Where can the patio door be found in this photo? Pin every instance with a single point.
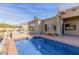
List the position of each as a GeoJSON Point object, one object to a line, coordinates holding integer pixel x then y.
{"type": "Point", "coordinates": [45, 27]}
{"type": "Point", "coordinates": [62, 29]}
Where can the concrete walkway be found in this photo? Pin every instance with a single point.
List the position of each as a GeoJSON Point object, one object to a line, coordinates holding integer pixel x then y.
{"type": "Point", "coordinates": [11, 48]}
{"type": "Point", "coordinates": [25, 47]}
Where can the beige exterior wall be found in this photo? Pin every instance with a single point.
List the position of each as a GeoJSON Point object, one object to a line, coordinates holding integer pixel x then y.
{"type": "Point", "coordinates": [49, 22]}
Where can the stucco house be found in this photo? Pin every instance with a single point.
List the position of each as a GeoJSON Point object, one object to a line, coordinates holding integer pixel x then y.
{"type": "Point", "coordinates": [66, 22]}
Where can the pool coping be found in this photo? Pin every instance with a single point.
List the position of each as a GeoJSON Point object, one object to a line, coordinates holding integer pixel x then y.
{"type": "Point", "coordinates": [58, 39]}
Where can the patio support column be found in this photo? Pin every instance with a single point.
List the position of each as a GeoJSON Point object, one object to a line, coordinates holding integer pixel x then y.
{"type": "Point", "coordinates": [59, 26]}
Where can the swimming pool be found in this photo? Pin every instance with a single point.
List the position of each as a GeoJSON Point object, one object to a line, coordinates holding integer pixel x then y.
{"type": "Point", "coordinates": [26, 47]}
{"type": "Point", "coordinates": [44, 46]}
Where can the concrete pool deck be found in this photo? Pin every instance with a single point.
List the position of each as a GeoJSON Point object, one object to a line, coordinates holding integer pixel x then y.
{"type": "Point", "coordinates": [11, 48]}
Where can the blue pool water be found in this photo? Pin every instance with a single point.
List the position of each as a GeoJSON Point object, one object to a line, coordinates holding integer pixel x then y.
{"type": "Point", "coordinates": [43, 46]}
{"type": "Point", "coordinates": [26, 47]}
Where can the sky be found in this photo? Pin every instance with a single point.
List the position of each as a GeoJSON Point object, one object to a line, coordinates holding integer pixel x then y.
{"type": "Point", "coordinates": [16, 13]}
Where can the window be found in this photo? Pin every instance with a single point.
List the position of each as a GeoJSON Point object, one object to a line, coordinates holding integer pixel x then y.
{"type": "Point", "coordinates": [67, 26]}
{"type": "Point", "coordinates": [52, 26]}
{"type": "Point", "coordinates": [45, 27]}
{"type": "Point", "coordinates": [49, 26]}
{"type": "Point", "coordinates": [55, 27]}
{"type": "Point", "coordinates": [70, 27]}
